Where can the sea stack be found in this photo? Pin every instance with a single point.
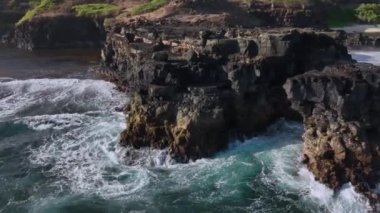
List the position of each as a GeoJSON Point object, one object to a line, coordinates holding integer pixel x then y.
{"type": "Point", "coordinates": [340, 109]}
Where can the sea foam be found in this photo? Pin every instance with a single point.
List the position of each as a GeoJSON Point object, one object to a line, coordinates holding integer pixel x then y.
{"type": "Point", "coordinates": [81, 155]}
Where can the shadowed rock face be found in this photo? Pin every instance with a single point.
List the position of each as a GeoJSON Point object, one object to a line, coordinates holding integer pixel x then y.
{"type": "Point", "coordinates": [7, 20]}
{"type": "Point", "coordinates": [194, 88]}
{"type": "Point", "coordinates": [341, 110]}
{"type": "Point", "coordinates": [64, 31]}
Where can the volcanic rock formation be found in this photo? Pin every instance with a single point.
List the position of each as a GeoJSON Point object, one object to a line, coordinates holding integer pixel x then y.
{"type": "Point", "coordinates": [194, 88]}
{"type": "Point", "coordinates": [340, 107]}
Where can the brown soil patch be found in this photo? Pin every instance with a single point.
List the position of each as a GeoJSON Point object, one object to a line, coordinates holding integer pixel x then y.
{"type": "Point", "coordinates": [215, 12]}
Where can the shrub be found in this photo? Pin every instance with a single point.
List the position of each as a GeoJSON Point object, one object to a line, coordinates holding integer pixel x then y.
{"type": "Point", "coordinates": [368, 12]}
{"type": "Point", "coordinates": [96, 10]}
{"type": "Point", "coordinates": [152, 5]}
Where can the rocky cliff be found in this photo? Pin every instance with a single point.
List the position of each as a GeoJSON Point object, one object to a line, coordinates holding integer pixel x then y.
{"type": "Point", "coordinates": [59, 27]}
{"type": "Point", "coordinates": [340, 108]}
{"type": "Point", "coordinates": [61, 31]}
{"type": "Point", "coordinates": [194, 88]}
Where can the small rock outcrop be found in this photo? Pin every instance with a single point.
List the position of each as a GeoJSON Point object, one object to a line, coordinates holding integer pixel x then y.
{"type": "Point", "coordinates": [61, 31]}
{"type": "Point", "coordinates": [356, 40]}
{"type": "Point", "coordinates": [341, 110]}
{"type": "Point", "coordinates": [193, 88]}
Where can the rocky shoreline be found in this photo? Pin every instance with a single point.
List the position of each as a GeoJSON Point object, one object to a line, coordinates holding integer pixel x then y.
{"type": "Point", "coordinates": [339, 107]}
{"type": "Point", "coordinates": [194, 87]}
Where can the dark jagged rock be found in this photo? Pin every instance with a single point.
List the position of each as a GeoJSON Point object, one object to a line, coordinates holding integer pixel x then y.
{"type": "Point", "coordinates": [362, 40]}
{"type": "Point", "coordinates": [213, 83]}
{"type": "Point", "coordinates": [64, 31]}
{"type": "Point", "coordinates": [356, 40]}
{"type": "Point", "coordinates": [341, 110]}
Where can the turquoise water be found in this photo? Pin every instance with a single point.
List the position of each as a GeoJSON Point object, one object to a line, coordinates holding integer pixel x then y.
{"type": "Point", "coordinates": [59, 153]}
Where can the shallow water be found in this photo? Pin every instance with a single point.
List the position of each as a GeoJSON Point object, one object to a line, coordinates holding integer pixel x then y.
{"type": "Point", "coordinates": [59, 153]}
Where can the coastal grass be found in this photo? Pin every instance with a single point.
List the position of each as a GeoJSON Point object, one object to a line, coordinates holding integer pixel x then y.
{"type": "Point", "coordinates": [150, 6]}
{"type": "Point", "coordinates": [38, 6]}
{"type": "Point", "coordinates": [96, 10]}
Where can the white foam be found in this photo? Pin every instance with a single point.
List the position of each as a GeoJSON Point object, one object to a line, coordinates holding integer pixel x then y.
{"type": "Point", "coordinates": [145, 157]}
{"type": "Point", "coordinates": [19, 98]}
{"type": "Point", "coordinates": [372, 57]}
{"type": "Point", "coordinates": [85, 159]}
{"type": "Point", "coordinates": [81, 148]}
{"type": "Point", "coordinates": [286, 172]}
{"type": "Point", "coordinates": [56, 122]}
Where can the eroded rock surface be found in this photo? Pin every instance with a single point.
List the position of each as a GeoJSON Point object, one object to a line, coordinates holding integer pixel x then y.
{"type": "Point", "coordinates": [341, 111]}
{"type": "Point", "coordinates": [194, 88]}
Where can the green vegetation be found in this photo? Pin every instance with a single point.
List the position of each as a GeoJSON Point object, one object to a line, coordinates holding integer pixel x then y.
{"type": "Point", "coordinates": [368, 12]}
{"type": "Point", "coordinates": [339, 17]}
{"type": "Point", "coordinates": [342, 16]}
{"type": "Point", "coordinates": [37, 7]}
{"type": "Point", "coordinates": [96, 10]}
{"type": "Point", "coordinates": [150, 6]}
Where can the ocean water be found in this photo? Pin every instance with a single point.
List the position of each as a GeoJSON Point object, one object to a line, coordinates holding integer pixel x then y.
{"type": "Point", "coordinates": [372, 57]}
{"type": "Point", "coordinates": [59, 153]}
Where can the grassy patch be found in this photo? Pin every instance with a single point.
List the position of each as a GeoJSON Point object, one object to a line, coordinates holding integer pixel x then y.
{"type": "Point", "coordinates": [339, 17]}
{"type": "Point", "coordinates": [150, 6]}
{"type": "Point", "coordinates": [96, 10]}
{"type": "Point", "coordinates": [368, 12]}
{"type": "Point", "coordinates": [38, 6]}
